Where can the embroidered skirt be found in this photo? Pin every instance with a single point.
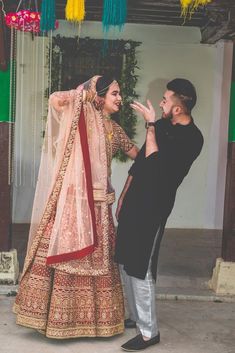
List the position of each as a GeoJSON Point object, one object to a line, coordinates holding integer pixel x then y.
{"type": "Point", "coordinates": [63, 305]}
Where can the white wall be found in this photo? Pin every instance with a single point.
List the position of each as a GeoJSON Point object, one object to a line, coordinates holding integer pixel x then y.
{"type": "Point", "coordinates": [165, 53]}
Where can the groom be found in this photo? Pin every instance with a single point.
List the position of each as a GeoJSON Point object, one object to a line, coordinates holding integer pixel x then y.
{"type": "Point", "coordinates": [172, 144]}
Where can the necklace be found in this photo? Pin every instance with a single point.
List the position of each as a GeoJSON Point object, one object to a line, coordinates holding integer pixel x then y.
{"type": "Point", "coordinates": [108, 126]}
{"type": "Point", "coordinates": [106, 117]}
{"type": "Point", "coordinates": [110, 135]}
{"type": "Point", "coordinates": [109, 129]}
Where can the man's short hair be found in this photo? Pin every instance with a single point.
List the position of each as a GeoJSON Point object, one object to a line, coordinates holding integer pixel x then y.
{"type": "Point", "coordinates": [185, 91]}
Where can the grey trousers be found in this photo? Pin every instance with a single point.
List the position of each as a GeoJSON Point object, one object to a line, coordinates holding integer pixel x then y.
{"type": "Point", "coordinates": [141, 300]}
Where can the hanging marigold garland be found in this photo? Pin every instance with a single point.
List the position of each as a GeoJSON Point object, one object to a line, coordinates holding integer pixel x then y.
{"type": "Point", "coordinates": [65, 48]}
{"type": "Point", "coordinates": [75, 10]}
{"type": "Point", "coordinates": [189, 6]}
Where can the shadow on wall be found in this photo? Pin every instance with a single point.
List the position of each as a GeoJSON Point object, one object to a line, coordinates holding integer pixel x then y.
{"type": "Point", "coordinates": [155, 93]}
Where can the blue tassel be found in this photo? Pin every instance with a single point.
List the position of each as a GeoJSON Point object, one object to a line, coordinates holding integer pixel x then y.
{"type": "Point", "coordinates": [114, 14]}
{"type": "Point", "coordinates": [48, 17]}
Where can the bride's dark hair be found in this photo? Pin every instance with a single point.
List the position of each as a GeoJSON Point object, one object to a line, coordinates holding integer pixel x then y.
{"type": "Point", "coordinates": [102, 85]}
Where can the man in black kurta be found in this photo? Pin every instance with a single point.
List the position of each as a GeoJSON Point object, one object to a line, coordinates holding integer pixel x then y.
{"type": "Point", "coordinates": [172, 144]}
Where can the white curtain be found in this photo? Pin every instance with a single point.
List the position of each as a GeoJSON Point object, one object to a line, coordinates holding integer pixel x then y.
{"type": "Point", "coordinates": [31, 112]}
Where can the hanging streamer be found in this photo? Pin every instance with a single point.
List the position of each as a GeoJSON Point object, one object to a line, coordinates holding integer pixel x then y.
{"type": "Point", "coordinates": [75, 10]}
{"type": "Point", "coordinates": [189, 6]}
{"type": "Point", "coordinates": [48, 17]}
{"type": "Point", "coordinates": [114, 14]}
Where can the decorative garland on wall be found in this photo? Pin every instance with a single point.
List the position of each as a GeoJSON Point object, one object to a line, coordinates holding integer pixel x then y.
{"type": "Point", "coordinates": [87, 58]}
{"type": "Point", "coordinates": [128, 80]}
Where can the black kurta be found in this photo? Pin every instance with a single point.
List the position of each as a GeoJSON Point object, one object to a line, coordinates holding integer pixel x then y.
{"type": "Point", "coordinates": [151, 195]}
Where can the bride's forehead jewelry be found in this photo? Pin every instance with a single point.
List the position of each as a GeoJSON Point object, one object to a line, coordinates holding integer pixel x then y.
{"type": "Point", "coordinates": [105, 88]}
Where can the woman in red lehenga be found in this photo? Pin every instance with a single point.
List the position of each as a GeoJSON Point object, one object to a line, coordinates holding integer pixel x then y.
{"type": "Point", "coordinates": [70, 286]}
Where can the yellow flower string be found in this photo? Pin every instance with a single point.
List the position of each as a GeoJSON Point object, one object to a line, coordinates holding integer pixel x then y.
{"type": "Point", "coordinates": [75, 10]}
{"type": "Point", "coordinates": [188, 7]}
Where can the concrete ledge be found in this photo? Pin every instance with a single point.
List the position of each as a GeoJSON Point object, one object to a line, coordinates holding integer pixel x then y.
{"type": "Point", "coordinates": [184, 281]}
{"type": "Point", "coordinates": [8, 290]}
{"type": "Point", "coordinates": [9, 267]}
{"type": "Point", "coordinates": [163, 293]}
{"type": "Point", "coordinates": [223, 278]}
{"type": "Point", "coordinates": [193, 294]}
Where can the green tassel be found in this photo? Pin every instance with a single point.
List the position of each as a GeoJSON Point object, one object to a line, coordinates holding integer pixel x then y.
{"type": "Point", "coordinates": [114, 14]}
{"type": "Point", "coordinates": [48, 17]}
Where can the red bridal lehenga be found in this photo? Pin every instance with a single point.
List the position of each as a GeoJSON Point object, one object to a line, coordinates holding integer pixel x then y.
{"type": "Point", "coordinates": [70, 286]}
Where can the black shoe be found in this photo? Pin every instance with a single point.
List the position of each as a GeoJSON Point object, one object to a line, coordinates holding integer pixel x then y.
{"type": "Point", "coordinates": [138, 343]}
{"type": "Point", "coordinates": [128, 323]}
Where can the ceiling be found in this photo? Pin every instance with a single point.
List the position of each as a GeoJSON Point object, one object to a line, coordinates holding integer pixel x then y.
{"type": "Point", "coordinates": [216, 20]}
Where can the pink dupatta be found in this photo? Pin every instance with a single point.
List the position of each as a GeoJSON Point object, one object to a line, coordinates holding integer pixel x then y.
{"type": "Point", "coordinates": [72, 177]}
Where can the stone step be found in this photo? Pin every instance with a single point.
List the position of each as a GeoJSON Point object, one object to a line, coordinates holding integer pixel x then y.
{"type": "Point", "coordinates": [182, 281]}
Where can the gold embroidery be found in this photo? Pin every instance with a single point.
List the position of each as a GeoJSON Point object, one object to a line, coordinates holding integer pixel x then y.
{"type": "Point", "coordinates": [73, 310]}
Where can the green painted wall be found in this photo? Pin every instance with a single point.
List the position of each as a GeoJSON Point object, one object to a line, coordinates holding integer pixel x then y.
{"type": "Point", "coordinates": [231, 135]}
{"type": "Point", "coordinates": [4, 95]}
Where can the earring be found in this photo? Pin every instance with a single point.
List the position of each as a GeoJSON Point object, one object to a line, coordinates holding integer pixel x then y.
{"type": "Point", "coordinates": [99, 103]}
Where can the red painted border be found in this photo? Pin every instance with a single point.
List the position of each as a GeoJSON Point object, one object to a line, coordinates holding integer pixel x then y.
{"type": "Point", "coordinates": [70, 256]}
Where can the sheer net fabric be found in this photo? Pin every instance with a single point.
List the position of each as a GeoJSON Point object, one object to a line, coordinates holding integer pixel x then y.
{"type": "Point", "coordinates": [62, 183]}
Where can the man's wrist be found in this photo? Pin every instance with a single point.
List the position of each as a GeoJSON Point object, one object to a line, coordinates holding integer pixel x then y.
{"type": "Point", "coordinates": [149, 124]}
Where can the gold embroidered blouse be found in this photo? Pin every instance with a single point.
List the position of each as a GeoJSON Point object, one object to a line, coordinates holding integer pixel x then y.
{"type": "Point", "coordinates": [116, 139]}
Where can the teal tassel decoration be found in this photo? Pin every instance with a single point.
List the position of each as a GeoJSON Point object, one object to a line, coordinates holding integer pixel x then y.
{"type": "Point", "coordinates": [48, 17]}
{"type": "Point", "coordinates": [114, 14]}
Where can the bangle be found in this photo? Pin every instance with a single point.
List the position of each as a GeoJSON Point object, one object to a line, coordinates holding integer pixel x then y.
{"type": "Point", "coordinates": [149, 123]}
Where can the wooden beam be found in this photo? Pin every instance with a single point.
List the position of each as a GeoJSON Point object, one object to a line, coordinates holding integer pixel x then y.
{"type": "Point", "coordinates": [3, 47]}
{"type": "Point", "coordinates": [221, 4]}
{"type": "Point", "coordinates": [5, 190]}
{"type": "Point", "coordinates": [212, 34]}
{"type": "Point", "coordinates": [164, 22]}
{"type": "Point", "coordinates": [228, 242]}
{"type": "Point", "coordinates": [220, 25]}
{"type": "Point", "coordinates": [170, 3]}
{"type": "Point", "coordinates": [150, 14]}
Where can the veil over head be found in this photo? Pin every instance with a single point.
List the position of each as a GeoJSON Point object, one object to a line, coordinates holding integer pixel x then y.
{"type": "Point", "coordinates": [72, 179]}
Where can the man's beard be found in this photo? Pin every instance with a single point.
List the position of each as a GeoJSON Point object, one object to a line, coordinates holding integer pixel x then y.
{"type": "Point", "coordinates": [168, 116]}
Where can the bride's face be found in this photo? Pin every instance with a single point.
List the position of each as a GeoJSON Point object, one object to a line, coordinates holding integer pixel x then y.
{"type": "Point", "coordinates": [112, 99]}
